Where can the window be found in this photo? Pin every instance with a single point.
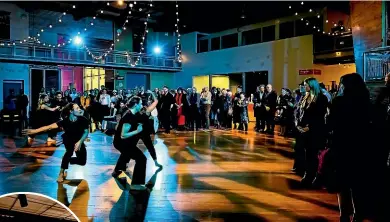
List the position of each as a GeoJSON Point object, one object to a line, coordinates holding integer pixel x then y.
{"type": "Point", "coordinates": [286, 30]}
{"type": "Point", "coordinates": [251, 37]}
{"type": "Point", "coordinates": [215, 43]}
{"type": "Point", "coordinates": [203, 45]}
{"type": "Point", "coordinates": [229, 41]}
{"type": "Point", "coordinates": [5, 25]}
{"type": "Point", "coordinates": [269, 33]}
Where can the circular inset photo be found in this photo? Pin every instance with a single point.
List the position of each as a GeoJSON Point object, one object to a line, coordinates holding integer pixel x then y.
{"type": "Point", "coordinates": [33, 207]}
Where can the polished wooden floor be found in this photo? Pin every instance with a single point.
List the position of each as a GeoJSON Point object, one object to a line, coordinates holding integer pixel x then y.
{"type": "Point", "coordinates": [207, 176]}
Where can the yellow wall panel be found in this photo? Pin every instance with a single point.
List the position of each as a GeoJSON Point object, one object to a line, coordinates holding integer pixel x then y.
{"type": "Point", "coordinates": [220, 82]}
{"type": "Point", "coordinates": [200, 82]}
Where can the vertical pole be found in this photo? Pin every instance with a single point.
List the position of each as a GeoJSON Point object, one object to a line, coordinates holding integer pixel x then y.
{"type": "Point", "coordinates": [210, 81]}
{"type": "Point", "coordinates": [384, 23]}
{"type": "Point", "coordinates": [243, 82]}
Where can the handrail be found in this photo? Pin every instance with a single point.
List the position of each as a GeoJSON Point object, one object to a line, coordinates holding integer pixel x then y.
{"type": "Point", "coordinates": [11, 50]}
{"type": "Point", "coordinates": [376, 63]}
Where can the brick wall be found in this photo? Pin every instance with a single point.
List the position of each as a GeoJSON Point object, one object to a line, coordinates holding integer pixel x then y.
{"type": "Point", "coordinates": [366, 21]}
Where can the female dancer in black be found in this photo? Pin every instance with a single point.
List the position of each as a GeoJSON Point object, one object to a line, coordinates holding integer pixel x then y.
{"type": "Point", "coordinates": [75, 127]}
{"type": "Point", "coordinates": [125, 140]}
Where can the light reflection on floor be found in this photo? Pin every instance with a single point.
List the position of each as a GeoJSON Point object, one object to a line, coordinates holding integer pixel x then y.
{"type": "Point", "coordinates": [218, 176]}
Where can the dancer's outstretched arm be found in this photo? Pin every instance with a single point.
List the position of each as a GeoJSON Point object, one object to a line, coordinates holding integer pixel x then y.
{"type": "Point", "coordinates": [27, 132]}
{"type": "Point", "coordinates": [152, 106]}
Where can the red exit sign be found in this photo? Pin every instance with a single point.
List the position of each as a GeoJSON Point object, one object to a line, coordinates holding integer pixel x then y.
{"type": "Point", "coordinates": [309, 72]}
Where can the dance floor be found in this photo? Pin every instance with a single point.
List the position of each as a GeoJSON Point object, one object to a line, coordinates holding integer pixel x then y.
{"type": "Point", "coordinates": [207, 176]}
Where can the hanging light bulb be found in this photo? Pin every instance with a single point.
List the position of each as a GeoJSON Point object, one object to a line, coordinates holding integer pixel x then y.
{"type": "Point", "coordinates": [318, 16]}
{"type": "Point", "coordinates": [59, 20]}
{"type": "Point", "coordinates": [129, 12]}
{"type": "Point", "coordinates": [289, 6]}
{"type": "Point", "coordinates": [94, 17]}
{"type": "Point", "coordinates": [131, 5]}
{"type": "Point", "coordinates": [50, 26]}
{"type": "Point", "coordinates": [301, 3]}
{"type": "Point", "coordinates": [327, 21]}
{"type": "Point", "coordinates": [135, 2]}
{"type": "Point", "coordinates": [64, 13]}
{"type": "Point", "coordinates": [140, 9]}
{"type": "Point", "coordinates": [101, 11]}
{"type": "Point", "coordinates": [296, 13]}
{"type": "Point", "coordinates": [85, 29]}
{"type": "Point", "coordinates": [108, 4]}
{"type": "Point", "coordinates": [42, 30]}
{"type": "Point", "coordinates": [91, 23]}
{"type": "Point", "coordinates": [310, 10]}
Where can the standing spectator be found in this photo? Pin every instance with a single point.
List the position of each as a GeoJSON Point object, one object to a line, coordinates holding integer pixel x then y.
{"type": "Point", "coordinates": [205, 97]}
{"type": "Point", "coordinates": [21, 107]}
{"type": "Point", "coordinates": [270, 98]}
{"type": "Point", "coordinates": [259, 109]}
{"type": "Point", "coordinates": [166, 108]}
{"type": "Point", "coordinates": [311, 126]}
{"type": "Point", "coordinates": [194, 109]}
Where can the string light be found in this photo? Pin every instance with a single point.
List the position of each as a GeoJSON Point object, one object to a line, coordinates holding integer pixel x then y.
{"type": "Point", "coordinates": [179, 57]}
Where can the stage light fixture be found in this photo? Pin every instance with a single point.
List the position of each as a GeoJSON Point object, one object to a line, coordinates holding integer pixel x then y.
{"type": "Point", "coordinates": [157, 50]}
{"type": "Point", "coordinates": [78, 40]}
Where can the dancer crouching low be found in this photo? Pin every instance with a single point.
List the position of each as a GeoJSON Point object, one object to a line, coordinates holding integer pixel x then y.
{"type": "Point", "coordinates": [127, 135]}
{"type": "Point", "coordinates": [75, 127]}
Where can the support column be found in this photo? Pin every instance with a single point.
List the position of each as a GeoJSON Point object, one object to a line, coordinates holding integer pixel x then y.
{"type": "Point", "coordinates": [384, 24]}
{"type": "Point", "coordinates": [243, 82]}
{"type": "Point", "coordinates": [210, 81]}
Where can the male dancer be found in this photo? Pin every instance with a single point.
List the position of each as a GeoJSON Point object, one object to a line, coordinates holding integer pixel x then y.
{"type": "Point", "coordinates": [75, 127]}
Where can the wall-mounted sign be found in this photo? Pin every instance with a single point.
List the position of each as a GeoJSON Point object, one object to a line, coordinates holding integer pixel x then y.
{"type": "Point", "coordinates": [309, 72]}
{"type": "Point", "coordinates": [119, 77]}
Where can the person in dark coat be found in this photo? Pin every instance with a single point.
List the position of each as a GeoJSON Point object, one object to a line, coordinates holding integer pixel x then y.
{"type": "Point", "coordinates": [269, 104]}
{"type": "Point", "coordinates": [167, 102]}
{"type": "Point", "coordinates": [311, 127]}
{"type": "Point", "coordinates": [236, 108]}
{"type": "Point", "coordinates": [355, 158]}
{"type": "Point", "coordinates": [259, 110]}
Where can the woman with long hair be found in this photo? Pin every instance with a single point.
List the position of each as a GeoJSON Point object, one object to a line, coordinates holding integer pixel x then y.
{"type": "Point", "coordinates": [179, 121]}
{"type": "Point", "coordinates": [44, 115]}
{"type": "Point", "coordinates": [355, 162]}
{"type": "Point", "coordinates": [76, 129]}
{"type": "Point", "coordinates": [311, 126]}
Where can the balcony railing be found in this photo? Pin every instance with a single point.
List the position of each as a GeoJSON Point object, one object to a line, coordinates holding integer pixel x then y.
{"type": "Point", "coordinates": [376, 63]}
{"type": "Point", "coordinates": [116, 59]}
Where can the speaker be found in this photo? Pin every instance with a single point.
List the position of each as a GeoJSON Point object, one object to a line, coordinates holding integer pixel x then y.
{"type": "Point", "coordinates": [23, 200]}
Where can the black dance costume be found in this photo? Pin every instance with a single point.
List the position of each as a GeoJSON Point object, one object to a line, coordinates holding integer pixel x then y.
{"type": "Point", "coordinates": [73, 132]}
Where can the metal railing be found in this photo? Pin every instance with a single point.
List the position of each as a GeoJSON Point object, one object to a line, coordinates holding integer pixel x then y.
{"type": "Point", "coordinates": [376, 63]}
{"type": "Point", "coordinates": [71, 56]}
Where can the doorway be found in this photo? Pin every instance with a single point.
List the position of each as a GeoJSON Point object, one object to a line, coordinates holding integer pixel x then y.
{"type": "Point", "coordinates": [42, 78]}
{"type": "Point", "coordinates": [14, 85]}
{"type": "Point", "coordinates": [235, 80]}
{"type": "Point", "coordinates": [255, 79]}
